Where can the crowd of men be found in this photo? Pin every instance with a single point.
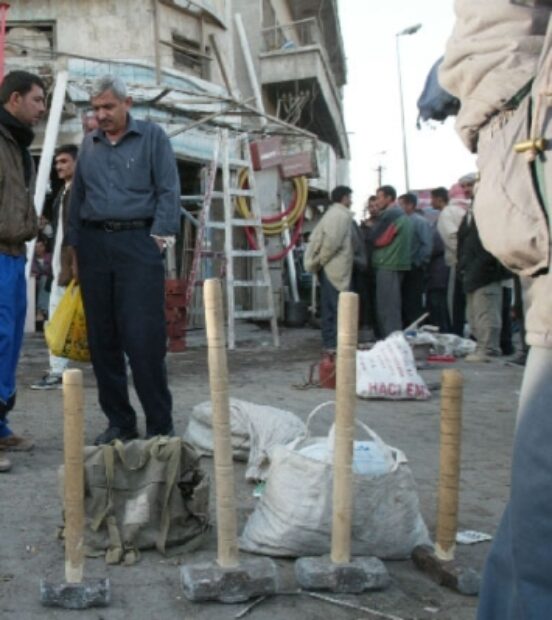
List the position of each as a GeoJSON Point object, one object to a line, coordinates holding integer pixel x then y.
{"type": "Point", "coordinates": [406, 261]}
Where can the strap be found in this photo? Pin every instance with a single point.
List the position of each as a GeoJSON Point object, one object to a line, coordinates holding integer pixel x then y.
{"type": "Point", "coordinates": [167, 450]}
{"type": "Point", "coordinates": [109, 465]}
{"type": "Point", "coordinates": [114, 552]}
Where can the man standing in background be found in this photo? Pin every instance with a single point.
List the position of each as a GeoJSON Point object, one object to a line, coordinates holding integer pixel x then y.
{"type": "Point", "coordinates": [64, 163]}
{"type": "Point", "coordinates": [414, 281]}
{"type": "Point", "coordinates": [392, 235]}
{"type": "Point", "coordinates": [330, 255]}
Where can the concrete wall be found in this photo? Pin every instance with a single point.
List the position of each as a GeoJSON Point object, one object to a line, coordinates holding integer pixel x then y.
{"type": "Point", "coordinates": [120, 29]}
{"type": "Point", "coordinates": [107, 29]}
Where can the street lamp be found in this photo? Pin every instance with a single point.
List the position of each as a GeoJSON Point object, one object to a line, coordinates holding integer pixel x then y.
{"type": "Point", "coordinates": [407, 31]}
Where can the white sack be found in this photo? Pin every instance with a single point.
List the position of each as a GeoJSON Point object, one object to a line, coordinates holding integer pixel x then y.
{"type": "Point", "coordinates": [388, 370]}
{"type": "Point", "coordinates": [443, 344]}
{"type": "Point", "coordinates": [293, 516]}
{"type": "Point", "coordinates": [255, 429]}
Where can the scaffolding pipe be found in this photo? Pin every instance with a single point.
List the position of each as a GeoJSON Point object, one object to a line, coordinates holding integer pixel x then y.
{"type": "Point", "coordinates": [47, 155]}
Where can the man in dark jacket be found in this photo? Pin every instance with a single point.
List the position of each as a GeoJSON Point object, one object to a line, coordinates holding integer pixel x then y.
{"type": "Point", "coordinates": [481, 275]}
{"type": "Point", "coordinates": [22, 105]}
{"type": "Point", "coordinates": [438, 270]}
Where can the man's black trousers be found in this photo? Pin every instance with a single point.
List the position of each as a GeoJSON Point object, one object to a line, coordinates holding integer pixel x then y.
{"type": "Point", "coordinates": [122, 280]}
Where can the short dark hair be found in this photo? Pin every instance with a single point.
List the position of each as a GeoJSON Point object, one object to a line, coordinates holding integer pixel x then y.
{"type": "Point", "coordinates": [410, 198]}
{"type": "Point", "coordinates": [389, 191]}
{"type": "Point", "coordinates": [440, 192]}
{"type": "Point", "coordinates": [18, 82]}
{"type": "Point", "coordinates": [70, 149]}
{"type": "Point", "coordinates": [339, 192]}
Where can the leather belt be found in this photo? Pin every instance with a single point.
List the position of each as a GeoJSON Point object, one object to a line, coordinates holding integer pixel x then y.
{"type": "Point", "coordinates": [117, 225]}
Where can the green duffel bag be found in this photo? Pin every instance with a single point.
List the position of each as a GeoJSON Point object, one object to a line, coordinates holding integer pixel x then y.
{"type": "Point", "coordinates": [144, 495]}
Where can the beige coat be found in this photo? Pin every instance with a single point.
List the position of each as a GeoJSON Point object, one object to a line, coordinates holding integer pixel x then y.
{"type": "Point", "coordinates": [494, 50]}
{"type": "Point", "coordinates": [491, 54]}
{"type": "Point", "coordinates": [330, 247]}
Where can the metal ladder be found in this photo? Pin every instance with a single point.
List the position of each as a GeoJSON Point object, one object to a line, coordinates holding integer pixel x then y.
{"type": "Point", "coordinates": [230, 223]}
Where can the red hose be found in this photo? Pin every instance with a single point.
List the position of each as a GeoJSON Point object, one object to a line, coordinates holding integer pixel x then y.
{"type": "Point", "coordinates": [285, 251]}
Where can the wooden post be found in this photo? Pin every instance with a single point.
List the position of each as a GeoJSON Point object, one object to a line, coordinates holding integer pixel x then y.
{"type": "Point", "coordinates": [449, 466]}
{"type": "Point", "coordinates": [344, 427]}
{"type": "Point", "coordinates": [73, 448]}
{"type": "Point", "coordinates": [227, 536]}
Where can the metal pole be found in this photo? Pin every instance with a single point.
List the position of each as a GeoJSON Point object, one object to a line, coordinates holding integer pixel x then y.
{"type": "Point", "coordinates": [47, 155]}
{"type": "Point", "coordinates": [403, 128]}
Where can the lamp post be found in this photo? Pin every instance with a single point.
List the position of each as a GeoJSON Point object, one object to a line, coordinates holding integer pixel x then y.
{"type": "Point", "coordinates": [407, 31]}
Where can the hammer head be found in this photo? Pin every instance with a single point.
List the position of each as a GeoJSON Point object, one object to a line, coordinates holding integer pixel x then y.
{"type": "Point", "coordinates": [89, 593]}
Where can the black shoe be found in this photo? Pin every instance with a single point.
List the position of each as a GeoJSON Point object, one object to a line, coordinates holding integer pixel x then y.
{"type": "Point", "coordinates": [114, 432]}
{"type": "Point", "coordinates": [169, 433]}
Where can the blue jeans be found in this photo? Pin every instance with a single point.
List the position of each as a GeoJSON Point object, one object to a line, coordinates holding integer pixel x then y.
{"type": "Point", "coordinates": [517, 581]}
{"type": "Point", "coordinates": [13, 307]}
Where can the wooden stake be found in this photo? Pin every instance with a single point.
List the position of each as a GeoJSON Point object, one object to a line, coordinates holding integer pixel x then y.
{"type": "Point", "coordinates": [73, 447]}
{"type": "Point", "coordinates": [344, 427]}
{"type": "Point", "coordinates": [449, 466]}
{"type": "Point", "coordinates": [227, 536]}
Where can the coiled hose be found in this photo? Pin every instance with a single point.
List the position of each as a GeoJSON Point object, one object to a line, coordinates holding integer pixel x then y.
{"type": "Point", "coordinates": [293, 216]}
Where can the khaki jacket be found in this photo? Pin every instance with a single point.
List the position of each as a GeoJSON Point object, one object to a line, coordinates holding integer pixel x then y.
{"type": "Point", "coordinates": [330, 247]}
{"type": "Point", "coordinates": [18, 220]}
{"type": "Point", "coordinates": [491, 54]}
{"type": "Point", "coordinates": [495, 49]}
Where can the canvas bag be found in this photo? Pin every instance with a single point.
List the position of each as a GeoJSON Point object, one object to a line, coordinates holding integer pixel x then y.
{"type": "Point", "coordinates": [293, 516]}
{"type": "Point", "coordinates": [144, 495]}
{"type": "Point", "coordinates": [254, 429]}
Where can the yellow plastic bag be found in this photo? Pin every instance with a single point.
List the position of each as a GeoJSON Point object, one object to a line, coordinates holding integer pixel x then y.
{"type": "Point", "coordinates": [66, 330]}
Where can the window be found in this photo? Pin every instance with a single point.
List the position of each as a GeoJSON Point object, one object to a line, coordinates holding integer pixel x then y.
{"type": "Point", "coordinates": [187, 54]}
{"type": "Point", "coordinates": [29, 39]}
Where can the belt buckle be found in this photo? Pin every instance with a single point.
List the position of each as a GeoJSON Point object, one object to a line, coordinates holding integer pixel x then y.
{"type": "Point", "coordinates": [108, 227]}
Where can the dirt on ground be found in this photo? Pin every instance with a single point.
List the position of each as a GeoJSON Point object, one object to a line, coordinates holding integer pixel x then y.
{"type": "Point", "coordinates": [30, 509]}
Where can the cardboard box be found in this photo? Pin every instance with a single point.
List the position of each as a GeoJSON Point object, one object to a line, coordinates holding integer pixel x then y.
{"type": "Point", "coordinates": [266, 153]}
{"type": "Point", "coordinates": [297, 165]}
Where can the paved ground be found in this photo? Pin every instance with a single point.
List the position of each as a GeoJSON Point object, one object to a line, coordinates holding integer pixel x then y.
{"type": "Point", "coordinates": [30, 509]}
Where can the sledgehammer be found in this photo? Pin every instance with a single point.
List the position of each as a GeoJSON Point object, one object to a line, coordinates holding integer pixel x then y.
{"type": "Point", "coordinates": [439, 565]}
{"type": "Point", "coordinates": [227, 580]}
{"type": "Point", "coordinates": [338, 572]}
{"type": "Point", "coordinates": [74, 593]}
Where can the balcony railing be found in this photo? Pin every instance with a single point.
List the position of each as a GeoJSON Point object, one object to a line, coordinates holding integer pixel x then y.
{"type": "Point", "coordinates": [291, 36]}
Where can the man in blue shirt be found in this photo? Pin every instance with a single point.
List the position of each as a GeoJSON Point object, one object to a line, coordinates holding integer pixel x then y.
{"type": "Point", "coordinates": [124, 211]}
{"type": "Point", "coordinates": [414, 282]}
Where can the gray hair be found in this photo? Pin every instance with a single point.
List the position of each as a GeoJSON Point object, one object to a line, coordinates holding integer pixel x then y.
{"type": "Point", "coordinates": [109, 82]}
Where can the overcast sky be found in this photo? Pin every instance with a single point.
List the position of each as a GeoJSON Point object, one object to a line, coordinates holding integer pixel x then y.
{"type": "Point", "coordinates": [372, 109]}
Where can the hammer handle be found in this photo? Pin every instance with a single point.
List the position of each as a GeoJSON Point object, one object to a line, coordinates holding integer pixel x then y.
{"type": "Point", "coordinates": [73, 448]}
{"type": "Point", "coordinates": [344, 427]}
{"type": "Point", "coordinates": [449, 466]}
{"type": "Point", "coordinates": [227, 532]}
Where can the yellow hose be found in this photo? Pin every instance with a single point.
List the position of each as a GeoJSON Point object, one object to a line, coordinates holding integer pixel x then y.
{"type": "Point", "coordinates": [276, 228]}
